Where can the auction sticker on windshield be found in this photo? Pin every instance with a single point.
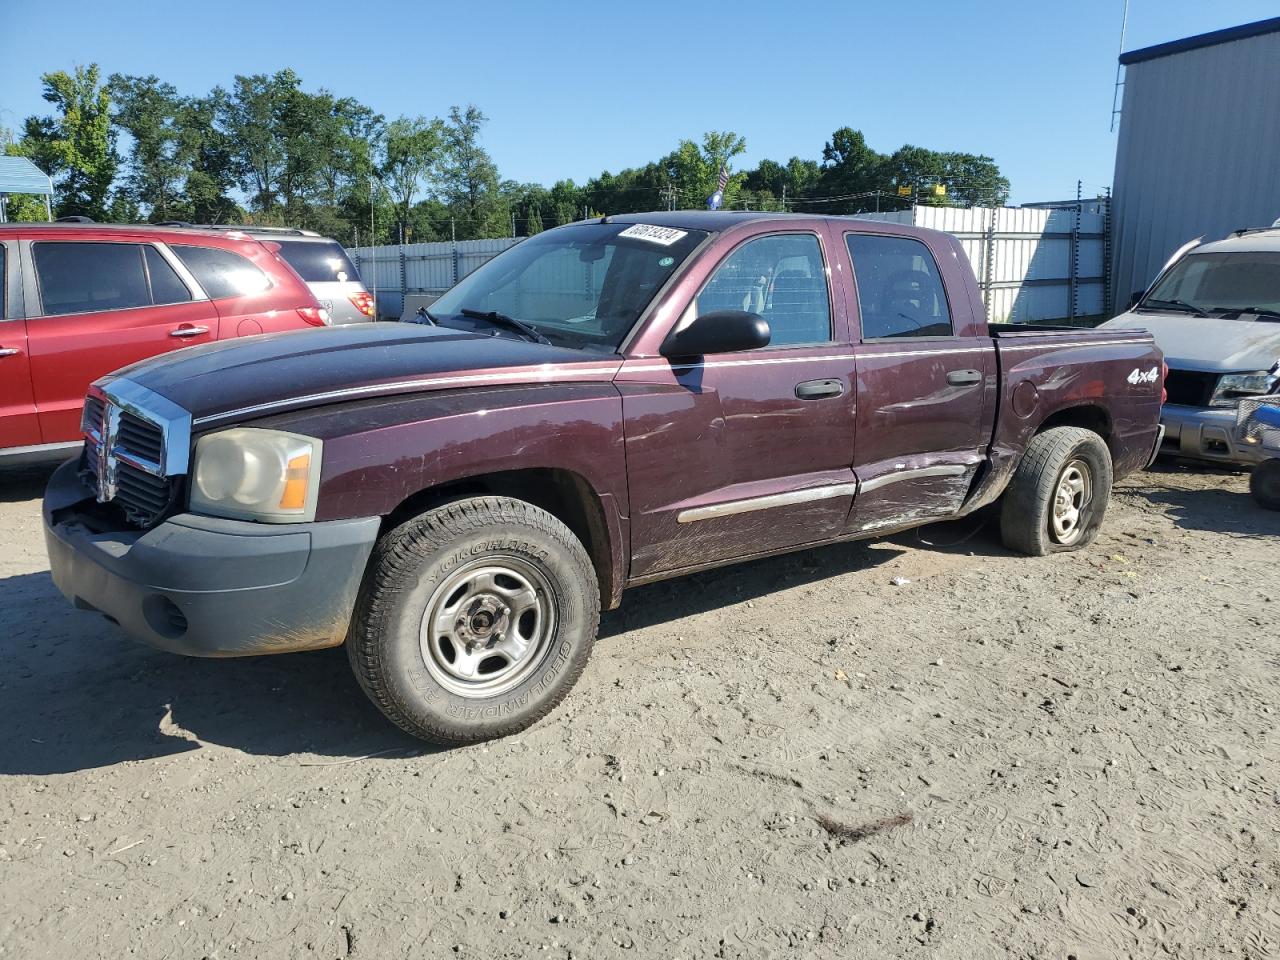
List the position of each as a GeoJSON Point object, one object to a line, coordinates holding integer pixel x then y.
{"type": "Point", "coordinates": [665, 236]}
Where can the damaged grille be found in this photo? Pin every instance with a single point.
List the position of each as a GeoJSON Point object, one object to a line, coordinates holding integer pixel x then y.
{"type": "Point", "coordinates": [125, 457]}
{"type": "Point", "coordinates": [1191, 388]}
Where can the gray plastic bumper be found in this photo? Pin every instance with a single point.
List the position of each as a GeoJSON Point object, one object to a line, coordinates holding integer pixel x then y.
{"type": "Point", "coordinates": [209, 587]}
{"type": "Point", "coordinates": [1205, 434]}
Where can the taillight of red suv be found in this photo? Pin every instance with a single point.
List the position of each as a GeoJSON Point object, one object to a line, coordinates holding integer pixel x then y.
{"type": "Point", "coordinates": [316, 316]}
{"type": "Point", "coordinates": [363, 301]}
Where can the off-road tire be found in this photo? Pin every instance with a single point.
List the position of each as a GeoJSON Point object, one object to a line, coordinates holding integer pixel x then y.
{"type": "Point", "coordinates": [1264, 484]}
{"type": "Point", "coordinates": [1026, 514]}
{"type": "Point", "coordinates": [406, 568]}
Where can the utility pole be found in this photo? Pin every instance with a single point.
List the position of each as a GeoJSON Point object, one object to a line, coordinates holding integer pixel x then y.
{"type": "Point", "coordinates": [784, 198]}
{"type": "Point", "coordinates": [513, 224]}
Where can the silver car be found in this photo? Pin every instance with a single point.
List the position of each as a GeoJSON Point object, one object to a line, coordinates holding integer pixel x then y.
{"type": "Point", "coordinates": [1215, 312]}
{"type": "Point", "coordinates": [321, 263]}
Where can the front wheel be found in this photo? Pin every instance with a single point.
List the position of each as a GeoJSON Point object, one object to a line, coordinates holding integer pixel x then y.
{"type": "Point", "coordinates": [1059, 493]}
{"type": "Point", "coordinates": [1264, 484]}
{"type": "Point", "coordinates": [475, 621]}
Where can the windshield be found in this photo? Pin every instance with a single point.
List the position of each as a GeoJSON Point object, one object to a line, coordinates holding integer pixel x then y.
{"type": "Point", "coordinates": [582, 286]}
{"type": "Point", "coordinates": [1219, 283]}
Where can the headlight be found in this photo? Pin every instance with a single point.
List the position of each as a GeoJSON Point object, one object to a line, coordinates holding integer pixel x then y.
{"type": "Point", "coordinates": [252, 474]}
{"type": "Point", "coordinates": [1233, 386]}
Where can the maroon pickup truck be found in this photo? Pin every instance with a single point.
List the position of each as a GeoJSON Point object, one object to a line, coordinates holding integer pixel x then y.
{"type": "Point", "coordinates": [605, 404]}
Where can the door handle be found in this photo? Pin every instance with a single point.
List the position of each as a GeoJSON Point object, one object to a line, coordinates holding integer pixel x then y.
{"type": "Point", "coordinates": [9, 351]}
{"type": "Point", "coordinates": [964, 378]}
{"type": "Point", "coordinates": [188, 331]}
{"type": "Point", "coordinates": [817, 389]}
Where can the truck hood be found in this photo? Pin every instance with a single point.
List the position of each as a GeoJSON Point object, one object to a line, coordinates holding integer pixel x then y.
{"type": "Point", "coordinates": [253, 376]}
{"type": "Point", "coordinates": [1211, 344]}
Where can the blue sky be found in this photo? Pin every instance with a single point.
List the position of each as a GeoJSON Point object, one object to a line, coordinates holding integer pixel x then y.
{"type": "Point", "coordinates": [573, 88]}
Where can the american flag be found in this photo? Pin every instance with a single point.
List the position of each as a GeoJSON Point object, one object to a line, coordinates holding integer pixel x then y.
{"type": "Point", "coordinates": [717, 198]}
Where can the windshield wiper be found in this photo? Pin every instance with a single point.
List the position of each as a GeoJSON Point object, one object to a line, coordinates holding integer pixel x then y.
{"type": "Point", "coordinates": [502, 320]}
{"type": "Point", "coordinates": [1178, 304]}
{"type": "Point", "coordinates": [1256, 311]}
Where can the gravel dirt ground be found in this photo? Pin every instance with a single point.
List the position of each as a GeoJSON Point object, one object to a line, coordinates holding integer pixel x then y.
{"type": "Point", "coordinates": [1070, 756]}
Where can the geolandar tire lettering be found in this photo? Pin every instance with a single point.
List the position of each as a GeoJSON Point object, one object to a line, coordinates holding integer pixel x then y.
{"type": "Point", "coordinates": [475, 621]}
{"type": "Point", "coordinates": [1059, 493]}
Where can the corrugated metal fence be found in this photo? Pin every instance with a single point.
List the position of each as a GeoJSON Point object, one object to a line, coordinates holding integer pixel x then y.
{"type": "Point", "coordinates": [1034, 264]}
{"type": "Point", "coordinates": [420, 268]}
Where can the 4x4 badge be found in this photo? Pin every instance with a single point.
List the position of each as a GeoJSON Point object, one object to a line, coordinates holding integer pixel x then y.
{"type": "Point", "coordinates": [1149, 376]}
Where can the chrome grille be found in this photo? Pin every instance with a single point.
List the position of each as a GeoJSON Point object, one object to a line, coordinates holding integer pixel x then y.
{"type": "Point", "coordinates": [135, 449]}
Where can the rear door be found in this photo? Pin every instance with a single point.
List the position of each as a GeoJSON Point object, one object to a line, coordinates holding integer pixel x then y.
{"type": "Point", "coordinates": [240, 283]}
{"type": "Point", "coordinates": [745, 453]}
{"type": "Point", "coordinates": [18, 424]}
{"type": "Point", "coordinates": [94, 306]}
{"type": "Point", "coordinates": [926, 376]}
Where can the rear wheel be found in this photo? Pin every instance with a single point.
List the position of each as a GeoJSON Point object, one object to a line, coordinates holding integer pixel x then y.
{"type": "Point", "coordinates": [1059, 493]}
{"type": "Point", "coordinates": [477, 619]}
{"type": "Point", "coordinates": [1264, 484]}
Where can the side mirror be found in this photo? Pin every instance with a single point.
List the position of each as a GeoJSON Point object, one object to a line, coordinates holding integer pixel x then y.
{"type": "Point", "coordinates": [721, 331]}
{"type": "Point", "coordinates": [1135, 297]}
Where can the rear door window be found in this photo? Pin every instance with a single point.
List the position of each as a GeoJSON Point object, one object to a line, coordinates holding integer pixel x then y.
{"type": "Point", "coordinates": [318, 262]}
{"type": "Point", "coordinates": [222, 273]}
{"type": "Point", "coordinates": [89, 276]}
{"type": "Point", "coordinates": [899, 291]}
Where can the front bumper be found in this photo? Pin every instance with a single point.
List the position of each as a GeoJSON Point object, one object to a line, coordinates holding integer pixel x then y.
{"type": "Point", "coordinates": [209, 587]}
{"type": "Point", "coordinates": [1205, 434]}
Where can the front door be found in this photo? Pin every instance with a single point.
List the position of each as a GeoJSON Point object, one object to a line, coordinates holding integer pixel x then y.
{"type": "Point", "coordinates": [101, 306]}
{"type": "Point", "coordinates": [731, 455]}
{"type": "Point", "coordinates": [926, 381]}
{"type": "Point", "coordinates": [18, 424]}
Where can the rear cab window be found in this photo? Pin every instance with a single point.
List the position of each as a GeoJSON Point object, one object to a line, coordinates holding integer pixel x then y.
{"type": "Point", "coordinates": [900, 293]}
{"type": "Point", "coordinates": [222, 273]}
{"type": "Point", "coordinates": [318, 262]}
{"type": "Point", "coordinates": [90, 276]}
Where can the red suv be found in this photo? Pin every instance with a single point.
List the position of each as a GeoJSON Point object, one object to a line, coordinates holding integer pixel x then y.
{"type": "Point", "coordinates": [78, 300]}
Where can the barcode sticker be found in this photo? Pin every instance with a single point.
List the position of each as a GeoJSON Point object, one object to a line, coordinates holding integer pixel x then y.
{"type": "Point", "coordinates": [664, 236]}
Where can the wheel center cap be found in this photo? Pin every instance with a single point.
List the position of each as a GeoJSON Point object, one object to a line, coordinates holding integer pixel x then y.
{"type": "Point", "coordinates": [483, 619]}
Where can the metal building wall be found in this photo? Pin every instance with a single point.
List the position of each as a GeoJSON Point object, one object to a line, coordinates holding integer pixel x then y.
{"type": "Point", "coordinates": [1198, 153]}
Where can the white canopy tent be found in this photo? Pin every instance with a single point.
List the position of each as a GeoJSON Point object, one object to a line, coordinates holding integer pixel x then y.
{"type": "Point", "coordinates": [20, 175]}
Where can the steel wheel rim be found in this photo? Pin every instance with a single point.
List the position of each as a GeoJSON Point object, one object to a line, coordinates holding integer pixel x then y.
{"type": "Point", "coordinates": [1069, 511]}
{"type": "Point", "coordinates": [487, 626]}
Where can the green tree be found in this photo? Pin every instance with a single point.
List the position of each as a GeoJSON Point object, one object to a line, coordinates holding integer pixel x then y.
{"type": "Point", "coordinates": [76, 145]}
{"type": "Point", "coordinates": [253, 116]}
{"type": "Point", "coordinates": [693, 171]}
{"type": "Point", "coordinates": [411, 154]}
{"type": "Point", "coordinates": [469, 177]}
{"type": "Point", "coordinates": [148, 110]}
{"type": "Point", "coordinates": [208, 153]}
{"type": "Point", "coordinates": [564, 202]}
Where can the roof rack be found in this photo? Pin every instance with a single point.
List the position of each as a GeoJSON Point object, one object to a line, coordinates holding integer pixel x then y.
{"type": "Point", "coordinates": [245, 227]}
{"type": "Point", "coordinates": [1245, 231]}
